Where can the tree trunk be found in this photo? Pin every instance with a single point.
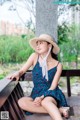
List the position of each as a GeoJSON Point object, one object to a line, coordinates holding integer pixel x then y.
{"type": "Point", "coordinates": [46, 18]}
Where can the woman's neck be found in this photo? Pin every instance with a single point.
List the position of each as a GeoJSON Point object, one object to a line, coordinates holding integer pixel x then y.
{"type": "Point", "coordinates": [49, 58]}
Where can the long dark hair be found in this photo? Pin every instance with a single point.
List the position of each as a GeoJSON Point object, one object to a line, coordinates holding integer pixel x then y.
{"type": "Point", "coordinates": [53, 55]}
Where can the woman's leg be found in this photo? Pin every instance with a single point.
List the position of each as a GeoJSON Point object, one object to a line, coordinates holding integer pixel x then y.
{"type": "Point", "coordinates": [26, 103]}
{"type": "Point", "coordinates": [50, 106]}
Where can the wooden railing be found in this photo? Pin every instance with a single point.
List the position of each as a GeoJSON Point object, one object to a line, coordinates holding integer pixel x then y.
{"type": "Point", "coordinates": [68, 74]}
{"type": "Point", "coordinates": [65, 73]}
{"type": "Point", "coordinates": [12, 92]}
{"type": "Point", "coordinates": [9, 102]}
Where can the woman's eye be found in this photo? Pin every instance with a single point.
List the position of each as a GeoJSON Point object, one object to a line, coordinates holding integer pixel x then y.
{"type": "Point", "coordinates": [40, 42]}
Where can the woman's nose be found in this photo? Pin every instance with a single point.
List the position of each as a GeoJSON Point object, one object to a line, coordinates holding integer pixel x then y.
{"type": "Point", "coordinates": [37, 45]}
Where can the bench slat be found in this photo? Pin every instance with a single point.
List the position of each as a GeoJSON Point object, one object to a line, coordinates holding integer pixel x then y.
{"type": "Point", "coordinates": [65, 73]}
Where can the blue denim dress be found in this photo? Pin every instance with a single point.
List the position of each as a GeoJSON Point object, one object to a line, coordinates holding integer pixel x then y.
{"type": "Point", "coordinates": [41, 86]}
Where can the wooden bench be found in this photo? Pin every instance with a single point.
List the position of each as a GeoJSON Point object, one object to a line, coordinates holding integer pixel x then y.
{"type": "Point", "coordinates": [9, 102]}
{"type": "Point", "coordinates": [73, 101]}
{"type": "Point", "coordinates": [12, 92]}
{"type": "Point", "coordinates": [65, 73]}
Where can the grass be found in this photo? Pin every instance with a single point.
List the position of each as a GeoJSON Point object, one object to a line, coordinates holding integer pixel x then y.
{"type": "Point", "coordinates": [1, 76]}
{"type": "Point", "coordinates": [9, 68]}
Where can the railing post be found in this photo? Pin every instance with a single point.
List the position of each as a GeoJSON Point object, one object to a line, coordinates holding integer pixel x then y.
{"type": "Point", "coordinates": [68, 86]}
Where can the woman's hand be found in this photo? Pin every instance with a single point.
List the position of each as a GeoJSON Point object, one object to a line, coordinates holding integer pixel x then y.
{"type": "Point", "coordinates": [14, 76]}
{"type": "Point", "coordinates": [37, 100]}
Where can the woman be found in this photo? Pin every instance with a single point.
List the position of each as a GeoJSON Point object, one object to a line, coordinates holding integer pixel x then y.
{"type": "Point", "coordinates": [46, 97]}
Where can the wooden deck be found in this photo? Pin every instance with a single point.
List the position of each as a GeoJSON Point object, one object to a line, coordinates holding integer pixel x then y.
{"type": "Point", "coordinates": [74, 102]}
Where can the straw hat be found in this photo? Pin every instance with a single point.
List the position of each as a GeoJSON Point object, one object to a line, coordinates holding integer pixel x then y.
{"type": "Point", "coordinates": [47, 38]}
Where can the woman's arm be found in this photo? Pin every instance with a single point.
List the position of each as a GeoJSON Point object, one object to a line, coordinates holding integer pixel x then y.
{"type": "Point", "coordinates": [28, 64]}
{"type": "Point", "coordinates": [56, 77]}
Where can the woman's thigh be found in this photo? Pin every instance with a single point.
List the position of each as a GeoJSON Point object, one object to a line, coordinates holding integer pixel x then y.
{"type": "Point", "coordinates": [26, 103]}
{"type": "Point", "coordinates": [48, 99]}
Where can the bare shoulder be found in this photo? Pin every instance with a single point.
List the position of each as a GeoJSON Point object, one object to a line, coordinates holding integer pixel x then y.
{"type": "Point", "coordinates": [60, 66]}
{"type": "Point", "coordinates": [34, 56]}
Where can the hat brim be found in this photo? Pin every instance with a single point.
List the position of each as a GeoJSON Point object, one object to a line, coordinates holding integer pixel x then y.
{"type": "Point", "coordinates": [33, 44]}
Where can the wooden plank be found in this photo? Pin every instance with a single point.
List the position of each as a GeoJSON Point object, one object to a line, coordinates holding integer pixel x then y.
{"type": "Point", "coordinates": [65, 73]}
{"type": "Point", "coordinates": [3, 83]}
{"type": "Point", "coordinates": [9, 100]}
{"type": "Point", "coordinates": [4, 94]}
{"type": "Point", "coordinates": [70, 73]}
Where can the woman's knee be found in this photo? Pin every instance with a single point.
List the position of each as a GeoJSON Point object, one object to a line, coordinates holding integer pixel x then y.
{"type": "Point", "coordinates": [21, 102]}
{"type": "Point", "coordinates": [46, 100]}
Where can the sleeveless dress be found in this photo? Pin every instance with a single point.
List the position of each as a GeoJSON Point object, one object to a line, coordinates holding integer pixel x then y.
{"type": "Point", "coordinates": [41, 86]}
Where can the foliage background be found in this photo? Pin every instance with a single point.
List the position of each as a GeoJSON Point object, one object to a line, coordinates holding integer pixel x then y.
{"type": "Point", "coordinates": [14, 48]}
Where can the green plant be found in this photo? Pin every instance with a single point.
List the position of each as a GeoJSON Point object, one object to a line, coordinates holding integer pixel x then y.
{"type": "Point", "coordinates": [15, 48]}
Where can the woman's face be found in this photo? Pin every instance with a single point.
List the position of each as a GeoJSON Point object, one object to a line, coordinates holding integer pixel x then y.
{"type": "Point", "coordinates": [42, 47]}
